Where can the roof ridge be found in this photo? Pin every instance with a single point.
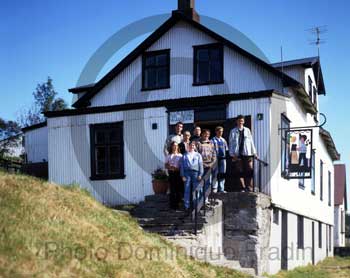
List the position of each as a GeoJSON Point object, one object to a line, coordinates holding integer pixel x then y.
{"type": "Point", "coordinates": [161, 30]}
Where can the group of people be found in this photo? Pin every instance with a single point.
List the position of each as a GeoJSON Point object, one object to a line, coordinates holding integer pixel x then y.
{"type": "Point", "coordinates": [188, 157]}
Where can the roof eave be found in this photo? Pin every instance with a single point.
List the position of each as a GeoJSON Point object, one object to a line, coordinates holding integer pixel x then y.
{"type": "Point", "coordinates": [331, 148]}
{"type": "Point", "coordinates": [305, 100]}
{"type": "Point", "coordinates": [33, 127]}
{"type": "Point", "coordinates": [81, 89]}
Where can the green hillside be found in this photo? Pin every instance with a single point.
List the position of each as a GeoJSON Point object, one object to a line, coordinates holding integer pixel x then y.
{"type": "Point", "coordinates": [53, 231]}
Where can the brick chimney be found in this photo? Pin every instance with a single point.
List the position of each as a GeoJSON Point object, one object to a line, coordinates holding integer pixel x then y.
{"type": "Point", "coordinates": [186, 7]}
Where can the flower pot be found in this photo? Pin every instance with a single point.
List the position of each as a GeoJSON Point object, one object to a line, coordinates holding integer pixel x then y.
{"type": "Point", "coordinates": [160, 186]}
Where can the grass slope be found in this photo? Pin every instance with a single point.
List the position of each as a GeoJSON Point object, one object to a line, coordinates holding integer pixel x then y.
{"type": "Point", "coordinates": [53, 231]}
{"type": "Point", "coordinates": [335, 267]}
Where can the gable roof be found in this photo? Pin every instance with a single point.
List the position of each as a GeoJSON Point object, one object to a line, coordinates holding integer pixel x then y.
{"type": "Point", "coordinates": [309, 62]}
{"type": "Point", "coordinates": [81, 89]}
{"type": "Point", "coordinates": [176, 17]}
{"type": "Point", "coordinates": [35, 126]}
{"type": "Point", "coordinates": [330, 145]}
{"type": "Point", "coordinates": [339, 184]}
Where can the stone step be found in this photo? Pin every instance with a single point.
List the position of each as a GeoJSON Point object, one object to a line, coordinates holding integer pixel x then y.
{"type": "Point", "coordinates": [154, 204]}
{"type": "Point", "coordinates": [157, 198]}
{"type": "Point", "coordinates": [171, 231]}
{"type": "Point", "coordinates": [142, 213]}
{"type": "Point", "coordinates": [185, 224]}
{"type": "Point", "coordinates": [169, 220]}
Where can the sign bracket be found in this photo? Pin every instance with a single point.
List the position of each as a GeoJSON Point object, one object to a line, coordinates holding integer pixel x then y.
{"type": "Point", "coordinates": [307, 127]}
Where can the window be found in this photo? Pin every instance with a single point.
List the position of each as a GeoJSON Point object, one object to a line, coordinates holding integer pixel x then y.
{"type": "Point", "coordinates": [314, 92]}
{"type": "Point", "coordinates": [321, 180]}
{"type": "Point", "coordinates": [276, 216]}
{"type": "Point", "coordinates": [285, 124]}
{"type": "Point", "coordinates": [319, 235]}
{"type": "Point", "coordinates": [208, 64]}
{"type": "Point", "coordinates": [313, 173]}
{"type": "Point", "coordinates": [107, 151]}
{"type": "Point", "coordinates": [310, 88]}
{"type": "Point", "coordinates": [329, 188]}
{"type": "Point", "coordinates": [301, 183]}
{"type": "Point", "coordinates": [342, 224]}
{"type": "Point", "coordinates": [156, 70]}
{"type": "Point", "coordinates": [300, 232]}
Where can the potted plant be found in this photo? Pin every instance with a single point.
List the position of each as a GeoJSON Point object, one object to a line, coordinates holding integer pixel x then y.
{"type": "Point", "coordinates": [160, 181]}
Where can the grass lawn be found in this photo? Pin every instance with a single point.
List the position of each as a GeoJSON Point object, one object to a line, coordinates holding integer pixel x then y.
{"type": "Point", "coordinates": [329, 268]}
{"type": "Point", "coordinates": [53, 231]}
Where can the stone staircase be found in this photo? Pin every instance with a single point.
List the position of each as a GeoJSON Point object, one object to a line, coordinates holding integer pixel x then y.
{"type": "Point", "coordinates": [154, 215]}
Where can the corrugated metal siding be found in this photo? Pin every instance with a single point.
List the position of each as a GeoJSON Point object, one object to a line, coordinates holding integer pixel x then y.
{"type": "Point", "coordinates": [260, 130]}
{"type": "Point", "coordinates": [296, 72]}
{"type": "Point", "coordinates": [36, 145]}
{"type": "Point", "coordinates": [69, 154]}
{"type": "Point", "coordinates": [240, 73]}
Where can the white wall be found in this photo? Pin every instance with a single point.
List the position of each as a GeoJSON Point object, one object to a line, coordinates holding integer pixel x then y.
{"type": "Point", "coordinates": [339, 237]}
{"type": "Point", "coordinates": [286, 193]}
{"type": "Point", "coordinates": [69, 153]}
{"type": "Point", "coordinates": [297, 72]}
{"type": "Point", "coordinates": [297, 257]}
{"type": "Point", "coordinates": [36, 145]}
{"type": "Point", "coordinates": [240, 73]}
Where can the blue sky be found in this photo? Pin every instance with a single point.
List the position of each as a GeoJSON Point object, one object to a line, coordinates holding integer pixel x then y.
{"type": "Point", "coordinates": [56, 38]}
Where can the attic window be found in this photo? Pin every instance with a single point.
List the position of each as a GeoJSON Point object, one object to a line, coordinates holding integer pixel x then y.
{"type": "Point", "coordinates": [310, 88]}
{"type": "Point", "coordinates": [156, 70]}
{"type": "Point", "coordinates": [208, 64]}
{"type": "Point", "coordinates": [314, 92]}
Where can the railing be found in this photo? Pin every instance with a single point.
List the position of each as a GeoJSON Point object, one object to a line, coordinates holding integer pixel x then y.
{"type": "Point", "coordinates": [200, 193]}
{"type": "Point", "coordinates": [259, 164]}
{"type": "Point", "coordinates": [11, 166]}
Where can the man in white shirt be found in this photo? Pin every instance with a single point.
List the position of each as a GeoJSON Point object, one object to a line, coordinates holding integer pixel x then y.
{"type": "Point", "coordinates": [242, 150]}
{"type": "Point", "coordinates": [177, 137]}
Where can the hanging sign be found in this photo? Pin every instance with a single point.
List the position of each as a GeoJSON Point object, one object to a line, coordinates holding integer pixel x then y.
{"type": "Point", "coordinates": [298, 154]}
{"type": "Point", "coordinates": [186, 116]}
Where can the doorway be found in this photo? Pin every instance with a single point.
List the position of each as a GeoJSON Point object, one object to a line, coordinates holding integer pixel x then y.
{"type": "Point", "coordinates": [211, 125]}
{"type": "Point", "coordinates": [209, 117]}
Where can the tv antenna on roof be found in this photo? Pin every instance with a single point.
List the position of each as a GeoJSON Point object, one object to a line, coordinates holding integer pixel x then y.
{"type": "Point", "coordinates": [317, 31]}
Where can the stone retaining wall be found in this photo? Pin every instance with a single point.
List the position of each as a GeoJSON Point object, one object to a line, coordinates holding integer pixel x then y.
{"type": "Point", "coordinates": [246, 230]}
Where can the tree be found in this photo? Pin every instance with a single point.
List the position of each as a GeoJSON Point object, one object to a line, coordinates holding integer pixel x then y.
{"type": "Point", "coordinates": [9, 131]}
{"type": "Point", "coordinates": [44, 100]}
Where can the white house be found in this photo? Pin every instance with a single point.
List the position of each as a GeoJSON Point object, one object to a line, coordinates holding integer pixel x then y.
{"type": "Point", "coordinates": [35, 143]}
{"type": "Point", "coordinates": [340, 204]}
{"type": "Point", "coordinates": [113, 139]}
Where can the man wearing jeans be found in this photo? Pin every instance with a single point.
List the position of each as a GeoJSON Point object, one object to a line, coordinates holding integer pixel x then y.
{"type": "Point", "coordinates": [242, 150]}
{"type": "Point", "coordinates": [221, 148]}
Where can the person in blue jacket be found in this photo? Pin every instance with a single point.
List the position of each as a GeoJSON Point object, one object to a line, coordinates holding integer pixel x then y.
{"type": "Point", "coordinates": [191, 171]}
